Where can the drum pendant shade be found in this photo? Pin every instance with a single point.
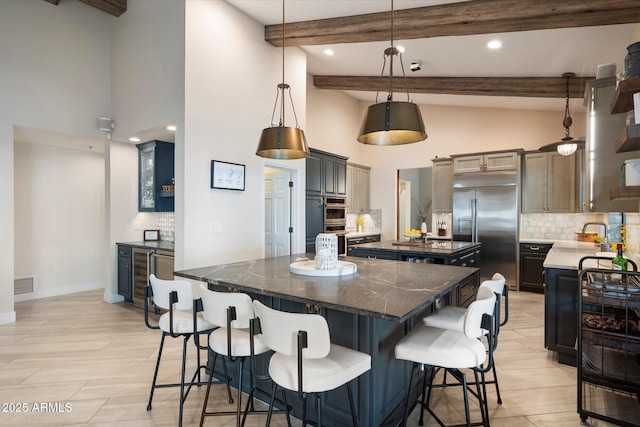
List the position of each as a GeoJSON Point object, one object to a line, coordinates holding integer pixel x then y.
{"type": "Point", "coordinates": [283, 142]}
{"type": "Point", "coordinates": [392, 123]}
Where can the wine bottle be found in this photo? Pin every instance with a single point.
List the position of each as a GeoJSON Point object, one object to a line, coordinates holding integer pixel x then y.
{"type": "Point", "coordinates": [619, 263]}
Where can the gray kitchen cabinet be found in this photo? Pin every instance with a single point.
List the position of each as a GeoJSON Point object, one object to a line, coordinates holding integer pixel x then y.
{"type": "Point", "coordinates": [549, 183]}
{"type": "Point", "coordinates": [442, 185]}
{"type": "Point", "coordinates": [481, 162]}
{"type": "Point", "coordinates": [358, 188]}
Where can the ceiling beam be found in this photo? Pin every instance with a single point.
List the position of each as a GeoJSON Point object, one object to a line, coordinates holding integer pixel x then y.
{"type": "Point", "coordinates": [455, 19]}
{"type": "Point", "coordinates": [112, 7]}
{"type": "Point", "coordinates": [537, 87]}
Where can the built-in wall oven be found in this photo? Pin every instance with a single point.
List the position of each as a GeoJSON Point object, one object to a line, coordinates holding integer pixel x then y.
{"type": "Point", "coordinates": [335, 220]}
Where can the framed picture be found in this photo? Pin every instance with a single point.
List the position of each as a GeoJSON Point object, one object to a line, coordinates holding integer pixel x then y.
{"type": "Point", "coordinates": [227, 176]}
{"type": "Point", "coordinates": [151, 235]}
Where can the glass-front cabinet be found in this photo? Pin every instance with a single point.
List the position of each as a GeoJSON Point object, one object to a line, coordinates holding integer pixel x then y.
{"type": "Point", "coordinates": [156, 176]}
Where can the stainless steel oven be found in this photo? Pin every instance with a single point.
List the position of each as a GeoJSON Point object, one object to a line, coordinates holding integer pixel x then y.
{"type": "Point", "coordinates": [335, 211]}
{"type": "Point", "coordinates": [335, 220]}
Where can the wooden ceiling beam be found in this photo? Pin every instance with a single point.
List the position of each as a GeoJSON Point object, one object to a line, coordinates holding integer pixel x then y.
{"type": "Point", "coordinates": [464, 18]}
{"type": "Point", "coordinates": [112, 7]}
{"type": "Point", "coordinates": [537, 87]}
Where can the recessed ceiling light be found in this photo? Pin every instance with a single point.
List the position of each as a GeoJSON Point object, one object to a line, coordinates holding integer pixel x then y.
{"type": "Point", "coordinates": [328, 52]}
{"type": "Point", "coordinates": [494, 44]}
{"type": "Point", "coordinates": [134, 139]}
{"type": "Point", "coordinates": [172, 128]}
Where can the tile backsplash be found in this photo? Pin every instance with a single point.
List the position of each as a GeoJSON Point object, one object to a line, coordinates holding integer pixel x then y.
{"type": "Point", "coordinates": [564, 226]}
{"type": "Point", "coordinates": [372, 221]}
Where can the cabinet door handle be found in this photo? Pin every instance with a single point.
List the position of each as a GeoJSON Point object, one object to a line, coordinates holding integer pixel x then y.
{"type": "Point", "coordinates": [534, 248]}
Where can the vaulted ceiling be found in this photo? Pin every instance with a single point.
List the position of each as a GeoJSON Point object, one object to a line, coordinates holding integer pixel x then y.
{"type": "Point", "coordinates": [572, 32]}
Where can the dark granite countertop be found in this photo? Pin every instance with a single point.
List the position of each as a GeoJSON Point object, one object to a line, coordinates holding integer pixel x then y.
{"type": "Point", "coordinates": [161, 244]}
{"type": "Point", "coordinates": [433, 247]}
{"type": "Point", "coordinates": [385, 289]}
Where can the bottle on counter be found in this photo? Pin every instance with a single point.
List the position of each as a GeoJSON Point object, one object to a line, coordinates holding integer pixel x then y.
{"type": "Point", "coordinates": [619, 263]}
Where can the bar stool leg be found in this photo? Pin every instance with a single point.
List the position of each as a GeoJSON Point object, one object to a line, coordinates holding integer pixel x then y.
{"type": "Point", "coordinates": [318, 409]}
{"type": "Point", "coordinates": [482, 398]}
{"type": "Point", "coordinates": [274, 387]}
{"type": "Point", "coordinates": [466, 399]}
{"type": "Point", "coordinates": [155, 374]}
{"type": "Point", "coordinates": [495, 378]}
{"type": "Point", "coordinates": [184, 367]}
{"type": "Point", "coordinates": [353, 411]}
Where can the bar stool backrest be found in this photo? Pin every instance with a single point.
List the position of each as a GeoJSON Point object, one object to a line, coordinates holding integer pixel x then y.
{"type": "Point", "coordinates": [280, 331]}
{"type": "Point", "coordinates": [215, 304]}
{"type": "Point", "coordinates": [484, 304]}
{"type": "Point", "coordinates": [162, 289]}
{"type": "Point", "coordinates": [496, 283]}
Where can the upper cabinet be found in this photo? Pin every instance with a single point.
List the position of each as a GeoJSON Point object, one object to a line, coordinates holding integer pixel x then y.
{"type": "Point", "coordinates": [442, 185]}
{"type": "Point", "coordinates": [155, 174]}
{"type": "Point", "coordinates": [549, 183]}
{"type": "Point", "coordinates": [358, 187]}
{"type": "Point", "coordinates": [326, 174]}
{"type": "Point", "coordinates": [484, 162]}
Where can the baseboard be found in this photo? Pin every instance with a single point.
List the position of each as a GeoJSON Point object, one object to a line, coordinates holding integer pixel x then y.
{"type": "Point", "coordinates": [8, 317]}
{"type": "Point", "coordinates": [112, 298]}
{"type": "Point", "coordinates": [63, 290]}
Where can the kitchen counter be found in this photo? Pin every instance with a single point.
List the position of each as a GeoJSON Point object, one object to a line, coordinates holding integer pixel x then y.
{"type": "Point", "coordinates": [384, 289]}
{"type": "Point", "coordinates": [442, 247]}
{"type": "Point", "coordinates": [567, 254]}
{"type": "Point", "coordinates": [352, 234]}
{"type": "Point", "coordinates": [161, 244]}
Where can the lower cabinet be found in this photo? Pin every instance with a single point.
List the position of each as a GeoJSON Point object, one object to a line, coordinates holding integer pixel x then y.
{"type": "Point", "coordinates": [374, 336]}
{"type": "Point", "coordinates": [561, 313]}
{"type": "Point", "coordinates": [125, 272]}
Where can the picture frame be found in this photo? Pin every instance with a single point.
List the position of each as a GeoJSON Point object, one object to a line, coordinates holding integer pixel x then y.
{"type": "Point", "coordinates": [151, 235]}
{"type": "Point", "coordinates": [227, 176]}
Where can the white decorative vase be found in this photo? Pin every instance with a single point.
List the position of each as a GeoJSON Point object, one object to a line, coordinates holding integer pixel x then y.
{"type": "Point", "coordinates": [423, 227]}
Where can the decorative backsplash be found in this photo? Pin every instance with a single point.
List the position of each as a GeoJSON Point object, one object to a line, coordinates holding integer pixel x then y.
{"type": "Point", "coordinates": [564, 227]}
{"type": "Point", "coordinates": [372, 221]}
{"type": "Point", "coordinates": [166, 225]}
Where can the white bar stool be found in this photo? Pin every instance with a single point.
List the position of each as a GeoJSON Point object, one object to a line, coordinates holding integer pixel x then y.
{"type": "Point", "coordinates": [182, 319]}
{"type": "Point", "coordinates": [305, 360]}
{"type": "Point", "coordinates": [452, 351]}
{"type": "Point", "coordinates": [231, 312]}
{"type": "Point", "coordinates": [453, 318]}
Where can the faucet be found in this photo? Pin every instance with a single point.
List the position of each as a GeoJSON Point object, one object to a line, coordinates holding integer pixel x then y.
{"type": "Point", "coordinates": [604, 226]}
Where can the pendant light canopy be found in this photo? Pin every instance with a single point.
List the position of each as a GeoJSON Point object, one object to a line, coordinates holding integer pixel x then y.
{"type": "Point", "coordinates": [567, 145]}
{"type": "Point", "coordinates": [280, 141]}
{"type": "Point", "coordinates": [392, 122]}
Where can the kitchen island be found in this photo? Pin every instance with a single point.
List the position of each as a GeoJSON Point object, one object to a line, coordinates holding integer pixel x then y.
{"type": "Point", "coordinates": [561, 294]}
{"type": "Point", "coordinates": [369, 311]}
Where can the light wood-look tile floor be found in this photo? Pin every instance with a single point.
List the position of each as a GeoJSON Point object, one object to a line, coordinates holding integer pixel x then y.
{"type": "Point", "coordinates": [91, 363]}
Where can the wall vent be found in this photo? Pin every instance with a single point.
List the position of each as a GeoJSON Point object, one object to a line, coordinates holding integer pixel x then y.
{"type": "Point", "coordinates": [23, 286]}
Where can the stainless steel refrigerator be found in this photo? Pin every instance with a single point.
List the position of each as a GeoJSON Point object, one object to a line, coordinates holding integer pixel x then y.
{"type": "Point", "coordinates": [485, 209]}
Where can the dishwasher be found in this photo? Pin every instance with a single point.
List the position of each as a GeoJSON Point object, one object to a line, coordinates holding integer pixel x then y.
{"type": "Point", "coordinates": [532, 257]}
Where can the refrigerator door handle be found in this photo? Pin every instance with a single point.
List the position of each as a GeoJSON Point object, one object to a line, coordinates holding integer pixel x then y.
{"type": "Point", "coordinates": [474, 221]}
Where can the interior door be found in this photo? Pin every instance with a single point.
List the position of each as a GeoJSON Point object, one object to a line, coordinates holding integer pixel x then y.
{"type": "Point", "coordinates": [277, 202]}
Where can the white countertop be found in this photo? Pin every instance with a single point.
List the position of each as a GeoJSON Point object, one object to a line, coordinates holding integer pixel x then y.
{"type": "Point", "coordinates": [566, 254]}
{"type": "Point", "coordinates": [361, 233]}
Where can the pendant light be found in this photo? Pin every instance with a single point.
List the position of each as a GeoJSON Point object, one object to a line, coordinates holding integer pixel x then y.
{"type": "Point", "coordinates": [392, 122]}
{"type": "Point", "coordinates": [567, 145]}
{"type": "Point", "coordinates": [280, 141]}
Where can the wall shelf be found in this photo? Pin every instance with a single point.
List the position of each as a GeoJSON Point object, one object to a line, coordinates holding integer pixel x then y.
{"type": "Point", "coordinates": [623, 98]}
{"type": "Point", "coordinates": [629, 139]}
{"type": "Point", "coordinates": [627, 192]}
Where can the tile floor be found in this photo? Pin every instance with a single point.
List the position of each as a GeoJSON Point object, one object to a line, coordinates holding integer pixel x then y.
{"type": "Point", "coordinates": [91, 364]}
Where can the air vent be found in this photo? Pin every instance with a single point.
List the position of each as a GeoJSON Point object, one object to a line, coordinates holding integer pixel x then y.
{"type": "Point", "coordinates": [23, 286]}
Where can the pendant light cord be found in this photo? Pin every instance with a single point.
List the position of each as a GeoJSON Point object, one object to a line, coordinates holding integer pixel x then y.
{"type": "Point", "coordinates": [282, 86]}
{"type": "Point", "coordinates": [567, 121]}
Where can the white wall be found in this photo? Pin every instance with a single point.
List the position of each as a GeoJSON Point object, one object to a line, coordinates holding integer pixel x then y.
{"type": "Point", "coordinates": [55, 75]}
{"type": "Point", "coordinates": [59, 221]}
{"type": "Point", "coordinates": [230, 86]}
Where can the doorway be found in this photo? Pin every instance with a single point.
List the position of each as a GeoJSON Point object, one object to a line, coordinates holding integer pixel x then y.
{"type": "Point", "coordinates": [278, 196]}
